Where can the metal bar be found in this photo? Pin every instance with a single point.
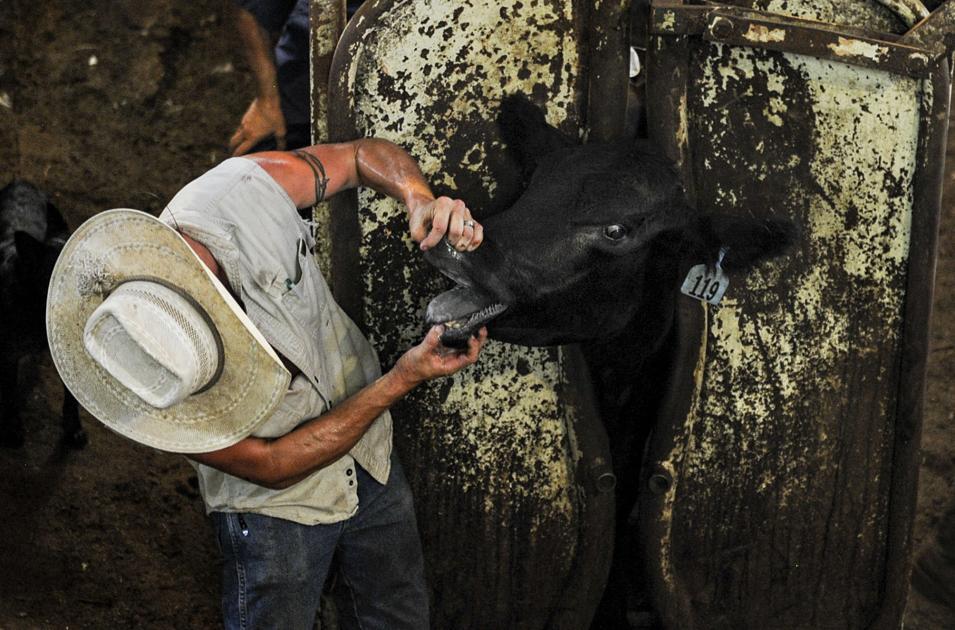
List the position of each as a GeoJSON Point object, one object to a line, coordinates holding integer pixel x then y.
{"type": "Point", "coordinates": [327, 19]}
{"type": "Point", "coordinates": [926, 209]}
{"type": "Point", "coordinates": [740, 27]}
{"type": "Point", "coordinates": [609, 56]}
{"type": "Point", "coordinates": [345, 230]}
{"type": "Point", "coordinates": [665, 455]}
{"type": "Point", "coordinates": [808, 38]}
{"type": "Point", "coordinates": [675, 18]}
{"type": "Point", "coordinates": [667, 74]}
{"type": "Point", "coordinates": [591, 447]}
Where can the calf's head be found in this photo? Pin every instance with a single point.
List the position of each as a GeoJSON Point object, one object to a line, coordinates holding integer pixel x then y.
{"type": "Point", "coordinates": [571, 260]}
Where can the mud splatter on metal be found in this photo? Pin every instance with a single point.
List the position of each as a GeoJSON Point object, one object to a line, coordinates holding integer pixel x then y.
{"type": "Point", "coordinates": [490, 452]}
{"type": "Point", "coordinates": [783, 467]}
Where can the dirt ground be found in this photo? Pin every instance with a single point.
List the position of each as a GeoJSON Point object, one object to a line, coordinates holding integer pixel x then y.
{"type": "Point", "coordinates": [108, 104]}
{"type": "Point", "coordinates": [118, 104]}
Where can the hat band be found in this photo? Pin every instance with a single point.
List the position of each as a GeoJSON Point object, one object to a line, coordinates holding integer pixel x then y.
{"type": "Point", "coordinates": [220, 352]}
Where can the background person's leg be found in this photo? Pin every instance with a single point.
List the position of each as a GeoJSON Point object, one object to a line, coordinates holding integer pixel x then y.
{"type": "Point", "coordinates": [382, 585]}
{"type": "Point", "coordinates": [273, 570]}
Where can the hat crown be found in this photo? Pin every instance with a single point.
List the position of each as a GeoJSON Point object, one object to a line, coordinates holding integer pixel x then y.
{"type": "Point", "coordinates": [155, 341]}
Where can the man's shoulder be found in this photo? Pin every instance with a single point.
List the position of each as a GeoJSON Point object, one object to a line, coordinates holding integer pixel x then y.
{"type": "Point", "coordinates": [230, 187]}
{"type": "Point", "coordinates": [239, 201]}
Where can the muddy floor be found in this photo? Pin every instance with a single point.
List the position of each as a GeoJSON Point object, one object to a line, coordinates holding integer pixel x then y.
{"type": "Point", "coordinates": [108, 104]}
{"type": "Point", "coordinates": [118, 104]}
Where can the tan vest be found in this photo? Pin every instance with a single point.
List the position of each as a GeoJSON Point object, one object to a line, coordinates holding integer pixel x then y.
{"type": "Point", "coordinates": [252, 228]}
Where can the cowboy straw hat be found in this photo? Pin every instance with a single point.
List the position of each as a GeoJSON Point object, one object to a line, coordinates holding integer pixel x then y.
{"type": "Point", "coordinates": [151, 343]}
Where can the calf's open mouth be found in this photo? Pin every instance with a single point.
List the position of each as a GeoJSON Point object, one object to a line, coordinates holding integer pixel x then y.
{"type": "Point", "coordinates": [462, 311]}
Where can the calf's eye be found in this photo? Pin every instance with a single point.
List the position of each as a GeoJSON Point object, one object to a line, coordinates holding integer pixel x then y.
{"type": "Point", "coordinates": [615, 232]}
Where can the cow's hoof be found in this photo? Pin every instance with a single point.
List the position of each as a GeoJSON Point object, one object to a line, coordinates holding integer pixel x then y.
{"type": "Point", "coordinates": [11, 438]}
{"type": "Point", "coordinates": [75, 439]}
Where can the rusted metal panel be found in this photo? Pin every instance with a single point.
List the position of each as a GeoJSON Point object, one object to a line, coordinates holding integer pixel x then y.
{"type": "Point", "coordinates": [608, 84]}
{"type": "Point", "coordinates": [326, 23]}
{"type": "Point", "coordinates": [502, 457]}
{"type": "Point", "coordinates": [794, 414]}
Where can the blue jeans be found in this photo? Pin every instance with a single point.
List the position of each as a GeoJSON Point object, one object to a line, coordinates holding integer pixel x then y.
{"type": "Point", "coordinates": [274, 570]}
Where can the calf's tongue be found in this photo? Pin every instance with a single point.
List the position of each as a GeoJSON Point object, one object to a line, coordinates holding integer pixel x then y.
{"type": "Point", "coordinates": [463, 311]}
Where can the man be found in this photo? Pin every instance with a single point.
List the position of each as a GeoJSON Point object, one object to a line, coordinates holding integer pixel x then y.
{"type": "Point", "coordinates": [316, 477]}
{"type": "Point", "coordinates": [278, 116]}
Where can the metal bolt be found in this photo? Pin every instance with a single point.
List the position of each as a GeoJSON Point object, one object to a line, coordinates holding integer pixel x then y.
{"type": "Point", "coordinates": [916, 63]}
{"type": "Point", "coordinates": [602, 476]}
{"type": "Point", "coordinates": [722, 28]}
{"type": "Point", "coordinates": [659, 482]}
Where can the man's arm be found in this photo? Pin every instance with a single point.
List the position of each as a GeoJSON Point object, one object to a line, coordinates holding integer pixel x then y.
{"type": "Point", "coordinates": [264, 116]}
{"type": "Point", "coordinates": [282, 462]}
{"type": "Point", "coordinates": [318, 172]}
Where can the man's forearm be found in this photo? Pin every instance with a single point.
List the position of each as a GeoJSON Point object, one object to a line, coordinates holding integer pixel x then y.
{"type": "Point", "coordinates": [325, 439]}
{"type": "Point", "coordinates": [322, 170]}
{"type": "Point", "coordinates": [257, 44]}
{"type": "Point", "coordinates": [282, 462]}
{"type": "Point", "coordinates": [388, 169]}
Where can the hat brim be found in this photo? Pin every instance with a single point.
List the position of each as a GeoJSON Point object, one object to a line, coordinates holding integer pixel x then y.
{"type": "Point", "coordinates": [123, 244]}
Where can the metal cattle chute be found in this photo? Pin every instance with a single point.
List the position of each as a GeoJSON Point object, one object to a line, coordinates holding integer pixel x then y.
{"type": "Point", "coordinates": [784, 467]}
{"type": "Point", "coordinates": [780, 479]}
{"type": "Point", "coordinates": [508, 460]}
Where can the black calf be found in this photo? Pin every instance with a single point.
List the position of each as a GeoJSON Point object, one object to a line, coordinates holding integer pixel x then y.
{"type": "Point", "coordinates": [32, 233]}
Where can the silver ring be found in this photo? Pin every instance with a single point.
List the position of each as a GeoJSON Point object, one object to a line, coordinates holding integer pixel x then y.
{"type": "Point", "coordinates": [469, 223]}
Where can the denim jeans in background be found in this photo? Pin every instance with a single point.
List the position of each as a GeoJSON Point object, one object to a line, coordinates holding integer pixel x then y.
{"type": "Point", "coordinates": [274, 569]}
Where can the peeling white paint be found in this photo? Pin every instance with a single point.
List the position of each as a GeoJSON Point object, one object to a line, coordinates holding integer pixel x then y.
{"type": "Point", "coordinates": [507, 406]}
{"type": "Point", "coordinates": [848, 47]}
{"type": "Point", "coordinates": [765, 359]}
{"type": "Point", "coordinates": [668, 23]}
{"type": "Point", "coordinates": [764, 34]}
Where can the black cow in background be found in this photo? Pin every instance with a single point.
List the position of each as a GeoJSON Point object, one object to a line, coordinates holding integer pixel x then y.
{"type": "Point", "coordinates": [32, 233]}
{"type": "Point", "coordinates": [595, 251]}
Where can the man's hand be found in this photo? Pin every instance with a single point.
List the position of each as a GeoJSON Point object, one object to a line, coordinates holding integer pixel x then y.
{"type": "Point", "coordinates": [431, 219]}
{"type": "Point", "coordinates": [264, 118]}
{"type": "Point", "coordinates": [430, 359]}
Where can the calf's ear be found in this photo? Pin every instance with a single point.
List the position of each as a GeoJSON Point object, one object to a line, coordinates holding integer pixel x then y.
{"type": "Point", "coordinates": [748, 240]}
{"type": "Point", "coordinates": [55, 224]}
{"type": "Point", "coordinates": [526, 132]}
